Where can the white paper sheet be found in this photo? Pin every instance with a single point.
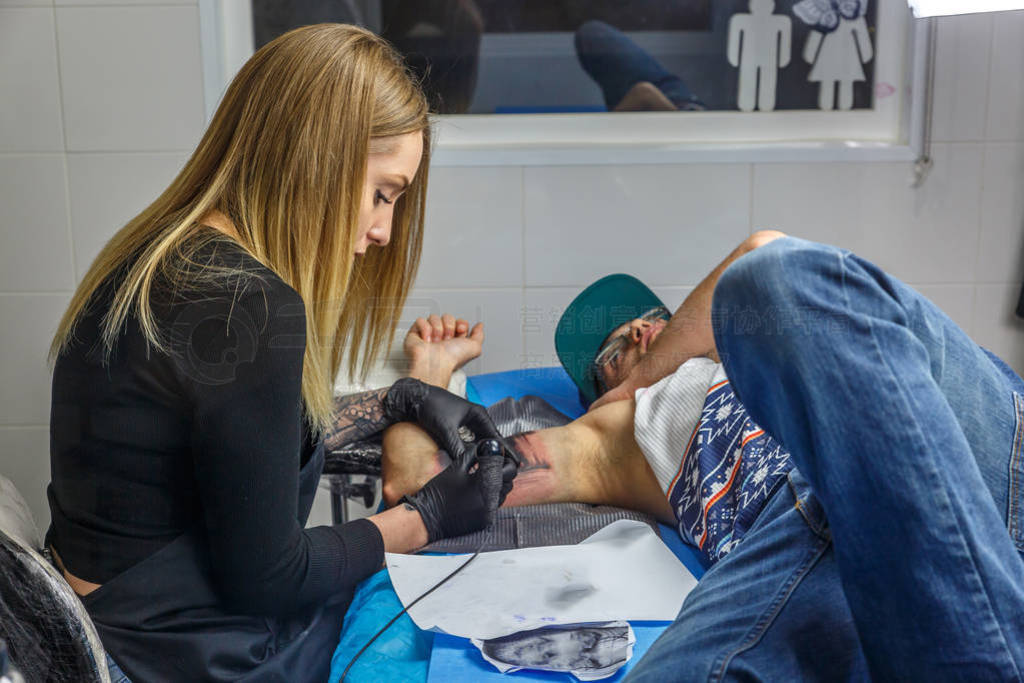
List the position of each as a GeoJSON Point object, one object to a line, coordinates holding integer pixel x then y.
{"type": "Point", "coordinates": [622, 572]}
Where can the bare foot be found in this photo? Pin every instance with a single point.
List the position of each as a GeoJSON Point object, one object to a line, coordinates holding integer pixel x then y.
{"type": "Point", "coordinates": [409, 459]}
{"type": "Point", "coordinates": [645, 96]}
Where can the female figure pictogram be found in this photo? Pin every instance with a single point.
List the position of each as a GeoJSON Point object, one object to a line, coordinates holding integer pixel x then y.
{"type": "Point", "coordinates": [838, 47]}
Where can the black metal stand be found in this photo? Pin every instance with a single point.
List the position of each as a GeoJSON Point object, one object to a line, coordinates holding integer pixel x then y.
{"type": "Point", "coordinates": [342, 487]}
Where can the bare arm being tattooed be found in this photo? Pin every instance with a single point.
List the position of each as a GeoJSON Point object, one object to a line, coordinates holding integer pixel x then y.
{"type": "Point", "coordinates": [594, 459]}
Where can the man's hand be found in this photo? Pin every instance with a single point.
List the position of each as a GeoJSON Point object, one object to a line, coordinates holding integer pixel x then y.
{"type": "Point", "coordinates": [439, 345]}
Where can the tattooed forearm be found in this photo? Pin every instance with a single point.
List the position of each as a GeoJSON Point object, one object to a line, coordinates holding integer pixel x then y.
{"type": "Point", "coordinates": [356, 417]}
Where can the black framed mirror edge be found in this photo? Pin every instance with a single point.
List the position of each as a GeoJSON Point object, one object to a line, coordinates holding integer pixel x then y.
{"type": "Point", "coordinates": [538, 140]}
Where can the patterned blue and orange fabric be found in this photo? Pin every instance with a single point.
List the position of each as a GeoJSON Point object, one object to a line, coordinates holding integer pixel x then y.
{"type": "Point", "coordinates": [729, 469]}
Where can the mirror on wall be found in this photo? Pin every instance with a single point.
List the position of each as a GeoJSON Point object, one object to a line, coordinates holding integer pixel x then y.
{"type": "Point", "coordinates": [632, 81]}
{"type": "Point", "coordinates": [597, 56]}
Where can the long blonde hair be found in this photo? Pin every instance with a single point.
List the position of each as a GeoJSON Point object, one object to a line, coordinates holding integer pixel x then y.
{"type": "Point", "coordinates": [285, 159]}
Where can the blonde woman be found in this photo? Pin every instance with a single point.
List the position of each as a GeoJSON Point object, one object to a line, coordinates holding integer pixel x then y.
{"type": "Point", "coordinates": [194, 367]}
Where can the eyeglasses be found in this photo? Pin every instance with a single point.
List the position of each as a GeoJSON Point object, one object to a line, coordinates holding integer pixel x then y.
{"type": "Point", "coordinates": [615, 346]}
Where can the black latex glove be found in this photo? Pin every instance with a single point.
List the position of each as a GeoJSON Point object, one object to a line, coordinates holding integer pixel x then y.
{"type": "Point", "coordinates": [459, 501]}
{"type": "Point", "coordinates": [440, 413]}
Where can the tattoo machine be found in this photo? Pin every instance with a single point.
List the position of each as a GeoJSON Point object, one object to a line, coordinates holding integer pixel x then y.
{"type": "Point", "coordinates": [490, 456]}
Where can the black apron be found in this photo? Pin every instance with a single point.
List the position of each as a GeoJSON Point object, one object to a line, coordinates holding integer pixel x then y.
{"type": "Point", "coordinates": [162, 620]}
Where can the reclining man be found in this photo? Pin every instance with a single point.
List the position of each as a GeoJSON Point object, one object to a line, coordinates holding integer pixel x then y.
{"type": "Point", "coordinates": [849, 471]}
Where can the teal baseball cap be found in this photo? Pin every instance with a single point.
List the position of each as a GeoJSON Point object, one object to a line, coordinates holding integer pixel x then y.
{"type": "Point", "coordinates": [591, 317]}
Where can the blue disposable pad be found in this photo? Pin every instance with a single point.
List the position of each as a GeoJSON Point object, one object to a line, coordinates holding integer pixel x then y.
{"type": "Point", "coordinates": [551, 384]}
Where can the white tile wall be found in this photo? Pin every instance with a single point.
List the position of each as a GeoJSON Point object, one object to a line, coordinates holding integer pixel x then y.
{"type": "Point", "coordinates": [1006, 78]}
{"type": "Point", "coordinates": [25, 460]}
{"type": "Point", "coordinates": [1001, 242]}
{"type": "Point", "coordinates": [667, 224]}
{"type": "Point", "coordinates": [961, 77]}
{"type": "Point", "coordinates": [925, 235]}
{"type": "Point", "coordinates": [35, 254]}
{"type": "Point", "coordinates": [995, 326]}
{"type": "Point", "coordinates": [130, 77]}
{"type": "Point", "coordinates": [110, 102]}
{"type": "Point", "coordinates": [29, 322]}
{"type": "Point", "coordinates": [474, 228]}
{"type": "Point", "coordinates": [29, 93]}
{"type": "Point", "coordinates": [542, 308]}
{"type": "Point", "coordinates": [672, 297]}
{"type": "Point", "coordinates": [107, 190]}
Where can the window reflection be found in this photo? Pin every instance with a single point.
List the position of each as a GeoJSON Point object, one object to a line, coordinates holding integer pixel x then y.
{"type": "Point", "coordinates": [541, 56]}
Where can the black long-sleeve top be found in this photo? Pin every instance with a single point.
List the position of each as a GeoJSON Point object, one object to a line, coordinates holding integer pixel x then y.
{"type": "Point", "coordinates": [208, 437]}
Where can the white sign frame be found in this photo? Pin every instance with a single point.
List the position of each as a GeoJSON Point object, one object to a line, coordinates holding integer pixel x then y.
{"type": "Point", "coordinates": [893, 131]}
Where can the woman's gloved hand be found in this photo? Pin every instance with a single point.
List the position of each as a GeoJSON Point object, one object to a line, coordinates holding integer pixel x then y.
{"type": "Point", "coordinates": [462, 499]}
{"type": "Point", "coordinates": [440, 413]}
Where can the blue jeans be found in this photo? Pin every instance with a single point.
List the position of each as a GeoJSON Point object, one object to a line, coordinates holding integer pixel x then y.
{"type": "Point", "coordinates": [616, 64]}
{"type": "Point", "coordinates": [116, 675]}
{"type": "Point", "coordinates": [895, 550]}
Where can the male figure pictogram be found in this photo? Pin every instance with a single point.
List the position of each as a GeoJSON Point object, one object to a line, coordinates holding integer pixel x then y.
{"type": "Point", "coordinates": [760, 44]}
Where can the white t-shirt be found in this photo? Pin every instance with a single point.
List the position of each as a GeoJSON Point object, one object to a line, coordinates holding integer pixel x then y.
{"type": "Point", "coordinates": [667, 413]}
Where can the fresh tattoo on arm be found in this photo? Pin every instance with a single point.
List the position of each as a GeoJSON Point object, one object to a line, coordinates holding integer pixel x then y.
{"type": "Point", "coordinates": [532, 454]}
{"type": "Point", "coordinates": [537, 480]}
{"type": "Point", "coordinates": [356, 417]}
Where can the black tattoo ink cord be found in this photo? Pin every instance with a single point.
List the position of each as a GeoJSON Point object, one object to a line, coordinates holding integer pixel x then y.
{"type": "Point", "coordinates": [406, 609]}
{"type": "Point", "coordinates": [490, 468]}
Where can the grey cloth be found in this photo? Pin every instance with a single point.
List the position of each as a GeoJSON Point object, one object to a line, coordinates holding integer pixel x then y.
{"type": "Point", "coordinates": [527, 414]}
{"type": "Point", "coordinates": [534, 526]}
